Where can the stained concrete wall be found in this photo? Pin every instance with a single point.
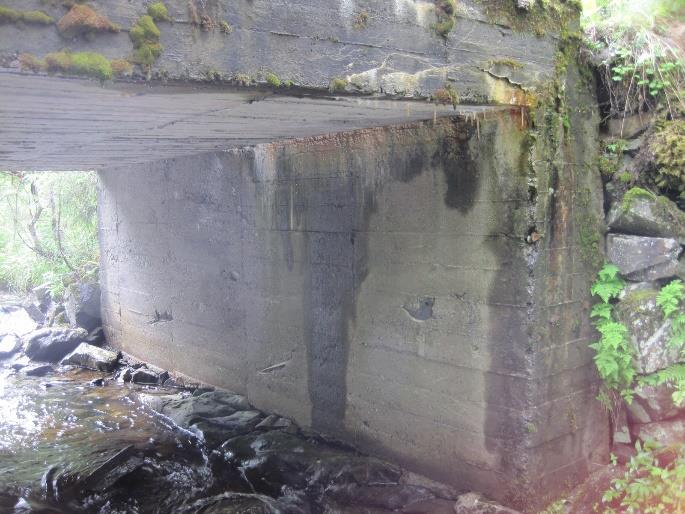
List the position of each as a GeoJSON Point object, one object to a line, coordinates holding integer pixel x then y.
{"type": "Point", "coordinates": [379, 285]}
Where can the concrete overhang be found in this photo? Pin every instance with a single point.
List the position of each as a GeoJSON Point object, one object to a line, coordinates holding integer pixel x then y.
{"type": "Point", "coordinates": [50, 123]}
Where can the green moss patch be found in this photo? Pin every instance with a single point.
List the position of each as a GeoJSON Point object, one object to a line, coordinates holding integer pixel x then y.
{"type": "Point", "coordinates": [445, 11]}
{"type": "Point", "coordinates": [8, 15]}
{"type": "Point", "coordinates": [273, 80]}
{"type": "Point", "coordinates": [668, 146]}
{"type": "Point", "coordinates": [82, 20]}
{"type": "Point", "coordinates": [88, 64]}
{"type": "Point", "coordinates": [337, 85]}
{"type": "Point", "coordinates": [158, 12]}
{"type": "Point", "coordinates": [145, 37]}
{"type": "Point", "coordinates": [633, 194]}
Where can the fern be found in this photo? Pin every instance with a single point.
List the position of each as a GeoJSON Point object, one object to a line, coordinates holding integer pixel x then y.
{"type": "Point", "coordinates": [608, 285]}
{"type": "Point", "coordinates": [613, 352]}
{"type": "Point", "coordinates": [670, 296]}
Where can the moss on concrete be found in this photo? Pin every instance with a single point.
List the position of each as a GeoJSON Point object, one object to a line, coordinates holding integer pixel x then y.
{"type": "Point", "coordinates": [541, 18]}
{"type": "Point", "coordinates": [337, 85]}
{"type": "Point", "coordinates": [158, 12]}
{"type": "Point", "coordinates": [445, 11]}
{"type": "Point", "coordinates": [88, 64]}
{"type": "Point", "coordinates": [8, 15]}
{"type": "Point", "coordinates": [273, 80]}
{"type": "Point", "coordinates": [82, 20]}
{"type": "Point", "coordinates": [145, 38]}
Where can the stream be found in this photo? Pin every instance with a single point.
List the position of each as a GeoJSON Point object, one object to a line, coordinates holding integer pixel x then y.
{"type": "Point", "coordinates": [76, 440]}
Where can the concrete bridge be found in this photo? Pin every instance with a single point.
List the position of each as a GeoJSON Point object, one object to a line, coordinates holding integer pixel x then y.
{"type": "Point", "coordinates": [407, 275]}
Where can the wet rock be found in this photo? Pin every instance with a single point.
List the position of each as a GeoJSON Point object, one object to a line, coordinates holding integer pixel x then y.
{"type": "Point", "coordinates": [642, 259]}
{"type": "Point", "coordinates": [202, 390]}
{"type": "Point", "coordinates": [185, 410]}
{"type": "Point", "coordinates": [37, 370]}
{"type": "Point", "coordinates": [653, 403]}
{"type": "Point", "coordinates": [104, 476]}
{"type": "Point", "coordinates": [91, 357]}
{"type": "Point", "coordinates": [648, 331]}
{"type": "Point", "coordinates": [19, 362]}
{"type": "Point", "coordinates": [96, 337]}
{"type": "Point", "coordinates": [390, 497]}
{"type": "Point", "coordinates": [628, 127]}
{"type": "Point", "coordinates": [52, 344]}
{"type": "Point", "coordinates": [15, 320]}
{"type": "Point", "coordinates": [434, 506]}
{"type": "Point", "coordinates": [621, 429]}
{"type": "Point", "coordinates": [98, 382]}
{"type": "Point", "coordinates": [124, 375]}
{"type": "Point", "coordinates": [654, 216]}
{"type": "Point", "coordinates": [214, 431]}
{"type": "Point", "coordinates": [144, 376]}
{"type": "Point", "coordinates": [623, 453]}
{"type": "Point", "coordinates": [666, 433]}
{"type": "Point", "coordinates": [474, 503]}
{"type": "Point", "coordinates": [83, 305]}
{"type": "Point", "coordinates": [275, 459]}
{"type": "Point", "coordinates": [242, 503]}
{"type": "Point", "coordinates": [9, 345]}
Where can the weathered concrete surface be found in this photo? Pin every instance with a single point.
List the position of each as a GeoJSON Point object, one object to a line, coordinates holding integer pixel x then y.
{"type": "Point", "coordinates": [377, 285]}
{"type": "Point", "coordinates": [53, 123]}
{"type": "Point", "coordinates": [396, 51]}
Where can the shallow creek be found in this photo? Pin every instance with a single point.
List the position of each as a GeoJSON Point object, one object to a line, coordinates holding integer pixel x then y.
{"type": "Point", "coordinates": [74, 440]}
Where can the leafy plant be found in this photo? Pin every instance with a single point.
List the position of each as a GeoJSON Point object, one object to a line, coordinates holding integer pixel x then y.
{"type": "Point", "coordinates": [647, 486]}
{"type": "Point", "coordinates": [49, 233]}
{"type": "Point", "coordinates": [613, 352]}
{"type": "Point", "coordinates": [640, 67]}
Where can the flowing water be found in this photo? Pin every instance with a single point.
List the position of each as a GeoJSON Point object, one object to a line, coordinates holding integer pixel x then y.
{"type": "Point", "coordinates": [57, 431]}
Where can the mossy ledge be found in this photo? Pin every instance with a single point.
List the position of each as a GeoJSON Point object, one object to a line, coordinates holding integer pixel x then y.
{"type": "Point", "coordinates": [8, 15]}
{"type": "Point", "coordinates": [82, 20]}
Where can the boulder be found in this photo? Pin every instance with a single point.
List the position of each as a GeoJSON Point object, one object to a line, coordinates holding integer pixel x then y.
{"type": "Point", "coordinates": [37, 370]}
{"type": "Point", "coordinates": [83, 305]}
{"type": "Point", "coordinates": [653, 403]}
{"type": "Point", "coordinates": [651, 216]}
{"type": "Point", "coordinates": [15, 320]}
{"type": "Point", "coordinates": [242, 503]}
{"type": "Point", "coordinates": [430, 506]}
{"type": "Point", "coordinates": [9, 345]}
{"type": "Point", "coordinates": [621, 430]}
{"type": "Point", "coordinates": [91, 357]}
{"type": "Point", "coordinates": [185, 410]}
{"type": "Point", "coordinates": [629, 127]}
{"type": "Point", "coordinates": [391, 496]}
{"type": "Point", "coordinates": [52, 344]}
{"type": "Point", "coordinates": [648, 331]}
{"type": "Point", "coordinates": [474, 503]}
{"type": "Point", "coordinates": [666, 433]}
{"type": "Point", "coordinates": [644, 258]}
{"type": "Point", "coordinates": [144, 376]}
{"type": "Point", "coordinates": [42, 296]}
{"type": "Point", "coordinates": [214, 431]}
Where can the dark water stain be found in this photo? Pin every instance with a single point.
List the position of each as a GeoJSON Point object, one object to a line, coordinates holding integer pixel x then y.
{"type": "Point", "coordinates": [462, 174]}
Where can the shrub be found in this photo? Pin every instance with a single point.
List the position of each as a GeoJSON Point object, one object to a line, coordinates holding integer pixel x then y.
{"type": "Point", "coordinates": [337, 85]}
{"type": "Point", "coordinates": [145, 37]}
{"type": "Point", "coordinates": [88, 64]}
{"type": "Point", "coordinates": [8, 15]}
{"type": "Point", "coordinates": [121, 67]}
{"type": "Point", "coordinates": [49, 231]}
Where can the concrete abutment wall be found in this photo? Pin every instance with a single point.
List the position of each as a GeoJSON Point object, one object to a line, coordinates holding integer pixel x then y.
{"type": "Point", "coordinates": [376, 285]}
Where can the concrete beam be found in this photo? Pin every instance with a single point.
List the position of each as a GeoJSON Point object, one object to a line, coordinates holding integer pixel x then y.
{"type": "Point", "coordinates": [51, 123]}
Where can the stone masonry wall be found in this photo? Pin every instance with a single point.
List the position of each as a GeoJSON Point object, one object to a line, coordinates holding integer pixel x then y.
{"type": "Point", "coordinates": [381, 285]}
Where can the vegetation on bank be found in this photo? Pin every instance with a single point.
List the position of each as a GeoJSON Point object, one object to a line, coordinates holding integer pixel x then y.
{"type": "Point", "coordinates": [49, 232]}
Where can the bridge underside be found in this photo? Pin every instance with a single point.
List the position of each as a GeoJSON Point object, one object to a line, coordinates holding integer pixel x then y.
{"type": "Point", "coordinates": [51, 123]}
{"type": "Point", "coordinates": [359, 265]}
